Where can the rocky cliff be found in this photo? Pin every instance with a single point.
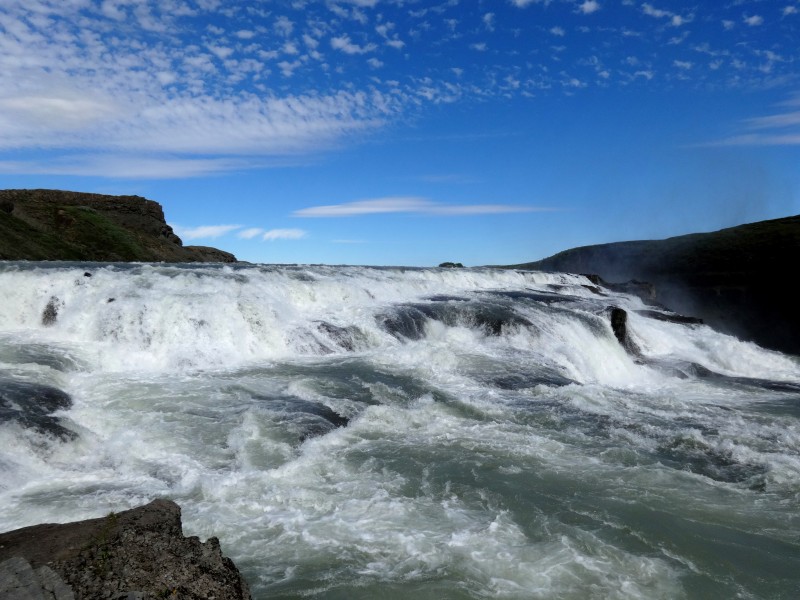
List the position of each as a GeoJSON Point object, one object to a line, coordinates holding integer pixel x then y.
{"type": "Point", "coordinates": [737, 280]}
{"type": "Point", "coordinates": [60, 225]}
{"type": "Point", "coordinates": [139, 553]}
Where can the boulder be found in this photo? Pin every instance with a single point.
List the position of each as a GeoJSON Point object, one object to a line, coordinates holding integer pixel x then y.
{"type": "Point", "coordinates": [139, 553]}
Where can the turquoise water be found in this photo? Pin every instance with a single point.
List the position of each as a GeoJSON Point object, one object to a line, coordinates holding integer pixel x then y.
{"type": "Point", "coordinates": [409, 433]}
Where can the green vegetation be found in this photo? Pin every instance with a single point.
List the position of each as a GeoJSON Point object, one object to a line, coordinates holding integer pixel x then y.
{"type": "Point", "coordinates": [62, 225]}
{"type": "Point", "coordinates": [99, 238]}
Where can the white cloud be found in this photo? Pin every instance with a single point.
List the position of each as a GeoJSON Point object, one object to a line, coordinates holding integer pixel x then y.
{"type": "Point", "coordinates": [204, 231]}
{"type": "Point", "coordinates": [125, 166]}
{"type": "Point", "coordinates": [650, 10]}
{"type": "Point", "coordinates": [781, 129]}
{"type": "Point", "coordinates": [674, 19]}
{"type": "Point", "coordinates": [559, 31]}
{"type": "Point", "coordinates": [284, 234]}
{"type": "Point", "coordinates": [284, 26]}
{"type": "Point", "coordinates": [362, 3]}
{"type": "Point", "coordinates": [408, 204]}
{"type": "Point", "coordinates": [682, 64]}
{"type": "Point", "coordinates": [790, 10]}
{"type": "Point", "coordinates": [489, 21]}
{"type": "Point", "coordinates": [344, 44]}
{"type": "Point", "coordinates": [753, 20]}
{"type": "Point", "coordinates": [235, 125]}
{"type": "Point", "coordinates": [589, 6]}
{"type": "Point", "coordinates": [250, 233]}
{"type": "Point", "coordinates": [480, 46]}
{"type": "Point", "coordinates": [374, 63]}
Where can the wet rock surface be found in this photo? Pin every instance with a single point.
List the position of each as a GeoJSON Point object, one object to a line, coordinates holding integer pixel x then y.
{"type": "Point", "coordinates": [32, 406]}
{"type": "Point", "coordinates": [140, 553]}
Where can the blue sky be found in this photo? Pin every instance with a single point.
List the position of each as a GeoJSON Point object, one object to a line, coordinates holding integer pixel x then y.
{"type": "Point", "coordinates": [409, 132]}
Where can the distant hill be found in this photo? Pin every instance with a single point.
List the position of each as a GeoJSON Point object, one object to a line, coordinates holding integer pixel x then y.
{"type": "Point", "coordinates": [61, 225]}
{"type": "Point", "coordinates": [737, 280]}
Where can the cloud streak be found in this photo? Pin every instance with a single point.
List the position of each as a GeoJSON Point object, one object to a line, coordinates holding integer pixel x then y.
{"type": "Point", "coordinates": [780, 129]}
{"type": "Point", "coordinates": [284, 234]}
{"type": "Point", "coordinates": [410, 205]}
{"type": "Point", "coordinates": [204, 231]}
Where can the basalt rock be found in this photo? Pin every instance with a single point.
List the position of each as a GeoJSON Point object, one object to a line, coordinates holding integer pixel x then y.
{"type": "Point", "coordinates": [734, 279]}
{"type": "Point", "coordinates": [32, 405]}
{"type": "Point", "coordinates": [619, 325]}
{"type": "Point", "coordinates": [62, 225]}
{"type": "Point", "coordinates": [140, 553]}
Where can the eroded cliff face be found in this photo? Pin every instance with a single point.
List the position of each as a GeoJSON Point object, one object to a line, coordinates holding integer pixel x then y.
{"type": "Point", "coordinates": [733, 279]}
{"type": "Point", "coordinates": [62, 225]}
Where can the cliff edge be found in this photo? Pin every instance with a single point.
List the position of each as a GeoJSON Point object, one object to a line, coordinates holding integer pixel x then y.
{"type": "Point", "coordinates": [62, 225]}
{"type": "Point", "coordinates": [737, 279]}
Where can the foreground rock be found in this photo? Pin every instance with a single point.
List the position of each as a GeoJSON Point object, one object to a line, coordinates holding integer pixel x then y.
{"type": "Point", "coordinates": [737, 280]}
{"type": "Point", "coordinates": [140, 553]}
{"type": "Point", "coordinates": [60, 225]}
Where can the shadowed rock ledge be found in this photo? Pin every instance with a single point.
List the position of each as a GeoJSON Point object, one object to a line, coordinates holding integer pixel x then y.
{"type": "Point", "coordinates": [737, 280]}
{"type": "Point", "coordinates": [61, 225]}
{"type": "Point", "coordinates": [140, 553]}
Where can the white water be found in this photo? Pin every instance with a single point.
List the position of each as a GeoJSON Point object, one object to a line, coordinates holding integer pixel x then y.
{"type": "Point", "coordinates": [501, 443]}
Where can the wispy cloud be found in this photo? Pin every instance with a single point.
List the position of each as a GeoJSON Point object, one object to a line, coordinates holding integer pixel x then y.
{"type": "Point", "coordinates": [124, 166]}
{"type": "Point", "coordinates": [777, 129]}
{"type": "Point", "coordinates": [410, 204]}
{"type": "Point", "coordinates": [196, 87]}
{"type": "Point", "coordinates": [250, 233]}
{"type": "Point", "coordinates": [204, 231]}
{"type": "Point", "coordinates": [284, 234]}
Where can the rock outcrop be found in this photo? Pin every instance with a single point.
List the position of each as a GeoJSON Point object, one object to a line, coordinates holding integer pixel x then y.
{"type": "Point", "coordinates": [140, 553]}
{"type": "Point", "coordinates": [32, 405]}
{"type": "Point", "coordinates": [735, 280]}
{"type": "Point", "coordinates": [60, 225]}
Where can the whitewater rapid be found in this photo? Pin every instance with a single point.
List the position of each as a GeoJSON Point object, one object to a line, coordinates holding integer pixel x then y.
{"type": "Point", "coordinates": [354, 432]}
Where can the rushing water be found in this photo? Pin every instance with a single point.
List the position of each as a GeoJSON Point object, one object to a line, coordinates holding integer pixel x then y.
{"type": "Point", "coordinates": [353, 432]}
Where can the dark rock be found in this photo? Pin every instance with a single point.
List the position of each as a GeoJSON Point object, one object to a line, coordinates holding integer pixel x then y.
{"type": "Point", "coordinates": [138, 553]}
{"type": "Point", "coordinates": [62, 225]}
{"type": "Point", "coordinates": [451, 265]}
{"type": "Point", "coordinates": [32, 405]}
{"type": "Point", "coordinates": [594, 289]}
{"type": "Point", "coordinates": [732, 278]}
{"type": "Point", "coordinates": [50, 312]}
{"type": "Point", "coordinates": [18, 581]}
{"type": "Point", "coordinates": [87, 274]}
{"type": "Point", "coordinates": [344, 337]}
{"type": "Point", "coordinates": [670, 317]}
{"type": "Point", "coordinates": [209, 254]}
{"type": "Point", "coordinates": [305, 418]}
{"type": "Point", "coordinates": [619, 325]}
{"type": "Point", "coordinates": [643, 289]}
{"type": "Point", "coordinates": [408, 321]}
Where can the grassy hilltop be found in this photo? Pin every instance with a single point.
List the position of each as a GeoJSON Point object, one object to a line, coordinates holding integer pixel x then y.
{"type": "Point", "coordinates": [61, 225]}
